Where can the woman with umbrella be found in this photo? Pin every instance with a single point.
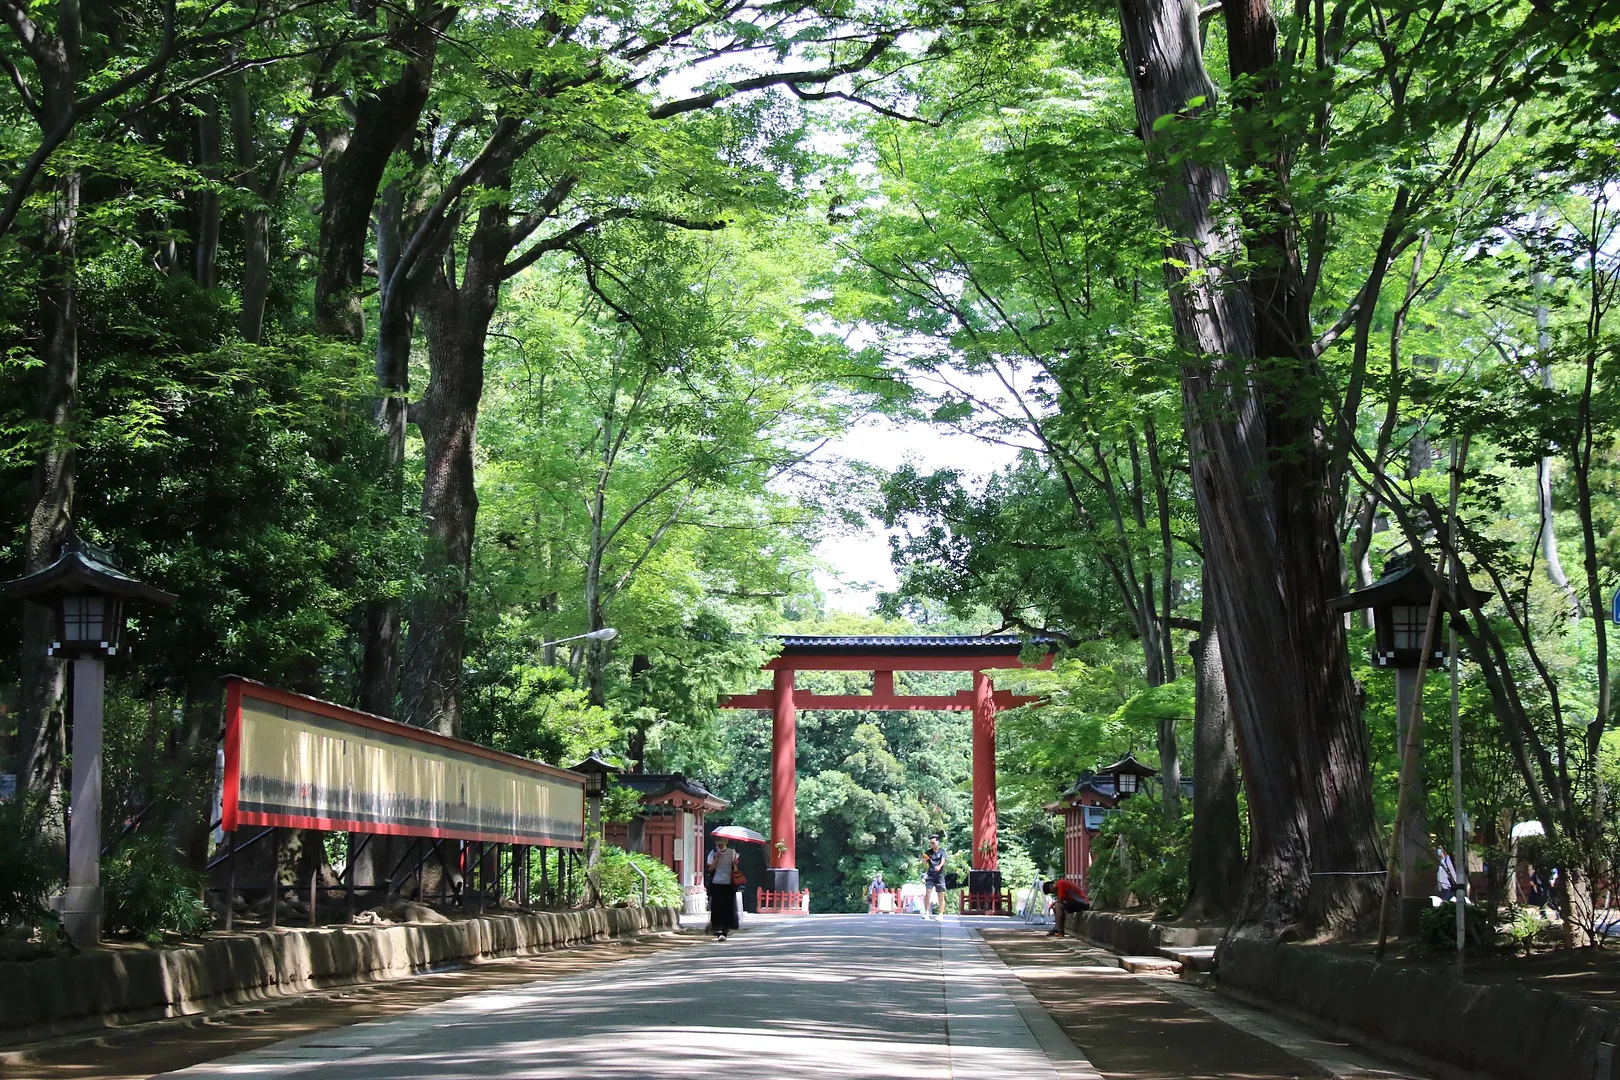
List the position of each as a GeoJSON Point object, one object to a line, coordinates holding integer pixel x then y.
{"type": "Point", "coordinates": [725, 877]}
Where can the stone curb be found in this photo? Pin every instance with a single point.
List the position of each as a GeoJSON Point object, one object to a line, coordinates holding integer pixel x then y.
{"type": "Point", "coordinates": [45, 999]}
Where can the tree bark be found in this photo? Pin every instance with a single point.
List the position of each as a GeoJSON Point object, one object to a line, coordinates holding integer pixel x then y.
{"type": "Point", "coordinates": [1260, 473]}
{"type": "Point", "coordinates": [205, 226]}
{"type": "Point", "coordinates": [1215, 857]}
{"type": "Point", "coordinates": [352, 164]}
{"type": "Point", "coordinates": [42, 726]}
{"type": "Point", "coordinates": [255, 218]}
{"type": "Point", "coordinates": [456, 320]}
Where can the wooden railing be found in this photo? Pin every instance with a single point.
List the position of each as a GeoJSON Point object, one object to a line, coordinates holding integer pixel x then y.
{"type": "Point", "coordinates": [772, 902]}
{"type": "Point", "coordinates": [874, 905]}
{"type": "Point", "coordinates": [996, 903]}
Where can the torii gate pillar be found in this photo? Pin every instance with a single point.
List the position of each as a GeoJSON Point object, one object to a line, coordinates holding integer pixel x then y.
{"type": "Point", "coordinates": [984, 785]}
{"type": "Point", "coordinates": [783, 875]}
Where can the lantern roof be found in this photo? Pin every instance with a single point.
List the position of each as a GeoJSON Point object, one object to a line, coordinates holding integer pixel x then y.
{"type": "Point", "coordinates": [82, 568]}
{"type": "Point", "coordinates": [596, 763]}
{"type": "Point", "coordinates": [1128, 764]}
{"type": "Point", "coordinates": [1403, 583]}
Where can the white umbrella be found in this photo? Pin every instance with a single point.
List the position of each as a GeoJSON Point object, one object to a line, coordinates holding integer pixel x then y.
{"type": "Point", "coordinates": [737, 832]}
{"type": "Point", "coordinates": [1528, 828]}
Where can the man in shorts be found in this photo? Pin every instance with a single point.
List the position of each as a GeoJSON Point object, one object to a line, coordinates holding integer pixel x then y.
{"type": "Point", "coordinates": [1067, 899]}
{"type": "Point", "coordinates": [934, 877]}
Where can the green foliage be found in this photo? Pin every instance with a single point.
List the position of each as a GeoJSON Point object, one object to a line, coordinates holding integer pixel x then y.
{"type": "Point", "coordinates": [1137, 854]}
{"type": "Point", "coordinates": [1437, 926]}
{"type": "Point", "coordinates": [28, 864]}
{"type": "Point", "coordinates": [622, 884]}
{"type": "Point", "coordinates": [533, 711]}
{"type": "Point", "coordinates": [146, 891]}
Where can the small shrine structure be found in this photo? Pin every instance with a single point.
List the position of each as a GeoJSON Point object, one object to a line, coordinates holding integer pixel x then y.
{"type": "Point", "coordinates": [669, 827]}
{"type": "Point", "coordinates": [1086, 803]}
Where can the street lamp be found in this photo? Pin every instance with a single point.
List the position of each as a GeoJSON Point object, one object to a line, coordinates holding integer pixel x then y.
{"type": "Point", "coordinates": [596, 769]}
{"type": "Point", "coordinates": [88, 590]}
{"type": "Point", "coordinates": [607, 633]}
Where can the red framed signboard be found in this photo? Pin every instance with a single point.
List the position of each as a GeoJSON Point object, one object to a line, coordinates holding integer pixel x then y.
{"type": "Point", "coordinates": [302, 763]}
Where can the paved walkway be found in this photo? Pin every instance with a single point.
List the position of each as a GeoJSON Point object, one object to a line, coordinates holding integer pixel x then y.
{"type": "Point", "coordinates": [824, 998]}
{"type": "Point", "coordinates": [829, 997]}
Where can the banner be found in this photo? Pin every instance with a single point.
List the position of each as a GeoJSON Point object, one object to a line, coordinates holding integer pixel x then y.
{"type": "Point", "coordinates": [299, 762]}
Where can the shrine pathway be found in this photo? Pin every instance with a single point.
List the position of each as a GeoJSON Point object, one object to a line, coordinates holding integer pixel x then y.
{"type": "Point", "coordinates": [823, 998]}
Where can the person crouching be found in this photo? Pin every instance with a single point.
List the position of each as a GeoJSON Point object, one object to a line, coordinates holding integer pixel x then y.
{"type": "Point", "coordinates": [1067, 899]}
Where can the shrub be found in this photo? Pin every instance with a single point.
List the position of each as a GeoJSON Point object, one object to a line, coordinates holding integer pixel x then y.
{"type": "Point", "coordinates": [145, 890]}
{"type": "Point", "coordinates": [620, 883]}
{"type": "Point", "coordinates": [1155, 867]}
{"type": "Point", "coordinates": [1438, 927]}
{"type": "Point", "coordinates": [29, 868]}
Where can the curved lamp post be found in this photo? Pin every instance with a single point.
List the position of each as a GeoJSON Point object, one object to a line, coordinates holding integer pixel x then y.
{"type": "Point", "coordinates": [596, 769]}
{"type": "Point", "coordinates": [607, 633]}
{"type": "Point", "coordinates": [88, 591]}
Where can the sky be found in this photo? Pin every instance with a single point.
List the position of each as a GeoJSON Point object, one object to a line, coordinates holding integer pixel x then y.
{"type": "Point", "coordinates": [856, 566]}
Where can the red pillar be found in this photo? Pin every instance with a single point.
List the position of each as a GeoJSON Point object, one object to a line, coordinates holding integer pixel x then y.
{"type": "Point", "coordinates": [784, 773]}
{"type": "Point", "coordinates": [984, 773]}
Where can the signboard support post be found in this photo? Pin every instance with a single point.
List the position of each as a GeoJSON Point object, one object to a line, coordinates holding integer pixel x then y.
{"type": "Point", "coordinates": [314, 882]}
{"type": "Point", "coordinates": [230, 880]}
{"type": "Point", "coordinates": [275, 878]}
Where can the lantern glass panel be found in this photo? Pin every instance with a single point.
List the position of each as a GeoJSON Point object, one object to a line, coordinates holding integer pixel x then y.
{"type": "Point", "coordinates": [1407, 623]}
{"type": "Point", "coordinates": [1127, 783]}
{"type": "Point", "coordinates": [84, 619]}
{"type": "Point", "coordinates": [595, 784]}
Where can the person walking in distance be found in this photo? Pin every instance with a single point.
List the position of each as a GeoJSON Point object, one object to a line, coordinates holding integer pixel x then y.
{"type": "Point", "coordinates": [1068, 899]}
{"type": "Point", "coordinates": [934, 877]}
{"type": "Point", "coordinates": [725, 878]}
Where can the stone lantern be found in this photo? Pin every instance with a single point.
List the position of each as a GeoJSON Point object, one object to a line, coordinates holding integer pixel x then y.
{"type": "Point", "coordinates": [1399, 602]}
{"type": "Point", "coordinates": [88, 590]}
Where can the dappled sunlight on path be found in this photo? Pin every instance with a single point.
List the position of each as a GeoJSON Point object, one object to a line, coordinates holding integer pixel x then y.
{"type": "Point", "coordinates": [821, 998]}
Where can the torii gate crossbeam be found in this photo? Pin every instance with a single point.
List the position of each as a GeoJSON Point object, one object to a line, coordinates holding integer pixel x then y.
{"type": "Point", "coordinates": [883, 656]}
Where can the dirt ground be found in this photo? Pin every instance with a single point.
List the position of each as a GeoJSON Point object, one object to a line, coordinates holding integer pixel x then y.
{"type": "Point", "coordinates": [1130, 1030]}
{"type": "Point", "coordinates": [146, 1050]}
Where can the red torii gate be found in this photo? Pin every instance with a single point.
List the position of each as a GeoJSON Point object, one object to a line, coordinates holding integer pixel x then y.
{"type": "Point", "coordinates": [883, 656]}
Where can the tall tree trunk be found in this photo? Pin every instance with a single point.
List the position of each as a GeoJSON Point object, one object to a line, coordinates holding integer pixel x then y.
{"type": "Point", "coordinates": [396, 323]}
{"type": "Point", "coordinates": [1215, 855]}
{"type": "Point", "coordinates": [353, 160]}
{"type": "Point", "coordinates": [255, 218]}
{"type": "Point", "coordinates": [456, 320]}
{"type": "Point", "coordinates": [205, 226]}
{"type": "Point", "coordinates": [42, 726]}
{"type": "Point", "coordinates": [1260, 483]}
{"type": "Point", "coordinates": [1544, 500]}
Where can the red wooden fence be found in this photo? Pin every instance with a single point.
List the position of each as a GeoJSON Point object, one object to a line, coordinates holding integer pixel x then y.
{"type": "Point", "coordinates": [772, 902]}
{"type": "Point", "coordinates": [997, 903]}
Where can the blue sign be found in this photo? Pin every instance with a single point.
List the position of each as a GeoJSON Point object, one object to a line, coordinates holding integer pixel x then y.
{"type": "Point", "coordinates": [1617, 607]}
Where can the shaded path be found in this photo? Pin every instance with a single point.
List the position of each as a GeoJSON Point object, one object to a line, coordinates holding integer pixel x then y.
{"type": "Point", "coordinates": [1145, 1028]}
{"type": "Point", "coordinates": [825, 998]}
{"type": "Point", "coordinates": [815, 999]}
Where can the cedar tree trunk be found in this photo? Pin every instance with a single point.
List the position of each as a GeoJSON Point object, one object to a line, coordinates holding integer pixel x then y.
{"type": "Point", "coordinates": [1215, 856]}
{"type": "Point", "coordinates": [1259, 474]}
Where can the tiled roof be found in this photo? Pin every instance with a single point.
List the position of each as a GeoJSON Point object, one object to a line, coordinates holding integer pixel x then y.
{"type": "Point", "coordinates": [657, 785]}
{"type": "Point", "coordinates": [917, 643]}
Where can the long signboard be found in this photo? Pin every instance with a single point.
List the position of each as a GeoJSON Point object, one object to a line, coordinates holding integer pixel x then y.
{"type": "Point", "coordinates": [299, 762]}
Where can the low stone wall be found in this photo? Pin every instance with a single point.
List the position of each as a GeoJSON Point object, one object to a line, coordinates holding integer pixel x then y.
{"type": "Point", "coordinates": [105, 988]}
{"type": "Point", "coordinates": [1499, 1030]}
{"type": "Point", "coordinates": [1139, 937]}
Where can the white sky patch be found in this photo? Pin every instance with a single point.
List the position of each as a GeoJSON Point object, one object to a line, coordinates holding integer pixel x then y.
{"type": "Point", "coordinates": [856, 564]}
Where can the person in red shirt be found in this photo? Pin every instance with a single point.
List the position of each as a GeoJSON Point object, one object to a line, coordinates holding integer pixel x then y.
{"type": "Point", "coordinates": [1068, 899]}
